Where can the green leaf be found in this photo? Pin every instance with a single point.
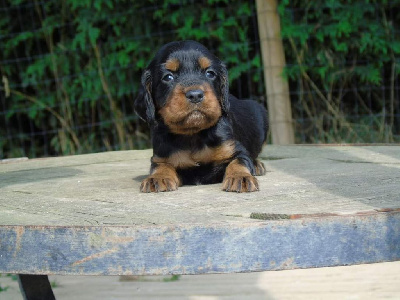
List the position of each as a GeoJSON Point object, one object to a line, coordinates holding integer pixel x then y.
{"type": "Point", "coordinates": [395, 45]}
{"type": "Point", "coordinates": [369, 74]}
{"type": "Point", "coordinates": [79, 41]}
{"type": "Point", "coordinates": [93, 33]}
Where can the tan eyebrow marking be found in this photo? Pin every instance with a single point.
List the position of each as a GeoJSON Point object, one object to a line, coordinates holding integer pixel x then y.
{"type": "Point", "coordinates": [172, 64]}
{"type": "Point", "coordinates": [204, 62]}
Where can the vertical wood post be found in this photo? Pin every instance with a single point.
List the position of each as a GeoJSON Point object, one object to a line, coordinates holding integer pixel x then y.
{"type": "Point", "coordinates": [273, 57]}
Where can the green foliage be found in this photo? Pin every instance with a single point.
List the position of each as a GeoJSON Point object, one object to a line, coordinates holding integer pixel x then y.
{"type": "Point", "coordinates": [223, 23]}
{"type": "Point", "coordinates": [54, 284]}
{"type": "Point", "coordinates": [3, 289]}
{"type": "Point", "coordinates": [340, 54]}
{"type": "Point", "coordinates": [172, 278]}
{"type": "Point", "coordinates": [13, 277]}
{"type": "Point", "coordinates": [74, 67]}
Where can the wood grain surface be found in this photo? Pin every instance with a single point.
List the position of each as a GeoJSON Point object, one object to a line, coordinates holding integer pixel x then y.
{"type": "Point", "coordinates": [317, 206]}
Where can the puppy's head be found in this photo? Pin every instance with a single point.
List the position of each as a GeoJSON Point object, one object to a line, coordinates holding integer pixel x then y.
{"type": "Point", "coordinates": [185, 87]}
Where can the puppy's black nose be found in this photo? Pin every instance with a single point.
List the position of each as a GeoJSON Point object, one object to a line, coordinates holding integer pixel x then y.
{"type": "Point", "coordinates": [195, 96]}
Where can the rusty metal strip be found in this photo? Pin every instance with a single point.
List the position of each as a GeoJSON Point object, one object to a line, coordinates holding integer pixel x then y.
{"type": "Point", "coordinates": [274, 216]}
{"type": "Point", "coordinates": [301, 242]}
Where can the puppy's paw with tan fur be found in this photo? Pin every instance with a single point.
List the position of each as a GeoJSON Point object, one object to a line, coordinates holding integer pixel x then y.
{"type": "Point", "coordinates": [260, 168]}
{"type": "Point", "coordinates": [240, 183]}
{"type": "Point", "coordinates": [157, 183]}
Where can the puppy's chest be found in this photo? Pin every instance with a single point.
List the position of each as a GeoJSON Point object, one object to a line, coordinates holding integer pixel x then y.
{"type": "Point", "coordinates": [184, 159]}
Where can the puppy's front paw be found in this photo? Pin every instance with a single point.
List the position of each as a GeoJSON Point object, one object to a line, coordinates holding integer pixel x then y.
{"type": "Point", "coordinates": [157, 183]}
{"type": "Point", "coordinates": [240, 183]}
{"type": "Point", "coordinates": [260, 168]}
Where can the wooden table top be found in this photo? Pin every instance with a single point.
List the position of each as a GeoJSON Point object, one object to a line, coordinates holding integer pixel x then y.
{"type": "Point", "coordinates": [84, 214]}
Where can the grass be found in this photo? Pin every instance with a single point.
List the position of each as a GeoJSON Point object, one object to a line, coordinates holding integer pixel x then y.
{"type": "Point", "coordinates": [172, 278]}
{"type": "Point", "coordinates": [3, 289]}
{"type": "Point", "coordinates": [54, 284]}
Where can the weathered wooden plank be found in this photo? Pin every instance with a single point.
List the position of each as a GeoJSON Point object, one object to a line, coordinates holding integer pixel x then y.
{"type": "Point", "coordinates": [103, 189]}
{"type": "Point", "coordinates": [84, 215]}
{"type": "Point", "coordinates": [302, 242]}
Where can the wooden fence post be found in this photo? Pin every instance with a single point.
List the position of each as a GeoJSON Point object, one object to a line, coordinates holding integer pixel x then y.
{"type": "Point", "coordinates": [273, 57]}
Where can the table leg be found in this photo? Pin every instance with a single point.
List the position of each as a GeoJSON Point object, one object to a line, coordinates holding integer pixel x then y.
{"type": "Point", "coordinates": [35, 287]}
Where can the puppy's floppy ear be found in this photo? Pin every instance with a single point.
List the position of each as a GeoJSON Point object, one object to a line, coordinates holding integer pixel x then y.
{"type": "Point", "coordinates": [144, 105]}
{"type": "Point", "coordinates": [224, 88]}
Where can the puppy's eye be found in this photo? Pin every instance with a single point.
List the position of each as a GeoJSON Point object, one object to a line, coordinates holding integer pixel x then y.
{"type": "Point", "coordinates": [168, 78]}
{"type": "Point", "coordinates": [210, 74]}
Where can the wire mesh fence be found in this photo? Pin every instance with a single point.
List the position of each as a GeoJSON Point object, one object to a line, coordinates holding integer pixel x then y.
{"type": "Point", "coordinates": [343, 62]}
{"type": "Point", "coordinates": [70, 69]}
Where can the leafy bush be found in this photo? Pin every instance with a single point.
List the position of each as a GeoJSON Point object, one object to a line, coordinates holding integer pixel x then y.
{"type": "Point", "coordinates": [70, 69]}
{"type": "Point", "coordinates": [343, 61]}
{"type": "Point", "coordinates": [73, 67]}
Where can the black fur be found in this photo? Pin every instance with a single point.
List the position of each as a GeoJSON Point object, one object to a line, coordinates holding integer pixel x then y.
{"type": "Point", "coordinates": [243, 122]}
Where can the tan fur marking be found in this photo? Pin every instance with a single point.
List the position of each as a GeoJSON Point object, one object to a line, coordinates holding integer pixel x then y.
{"type": "Point", "coordinates": [163, 178]}
{"type": "Point", "coordinates": [204, 62]}
{"type": "Point", "coordinates": [260, 168]}
{"type": "Point", "coordinates": [180, 159]}
{"type": "Point", "coordinates": [172, 64]}
{"type": "Point", "coordinates": [185, 118]}
{"type": "Point", "coordinates": [218, 154]}
{"type": "Point", "coordinates": [165, 170]}
{"type": "Point", "coordinates": [235, 168]}
{"type": "Point", "coordinates": [187, 159]}
{"type": "Point", "coordinates": [238, 179]}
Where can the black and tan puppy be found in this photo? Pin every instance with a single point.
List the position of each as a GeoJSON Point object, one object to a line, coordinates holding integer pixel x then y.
{"type": "Point", "coordinates": [201, 134]}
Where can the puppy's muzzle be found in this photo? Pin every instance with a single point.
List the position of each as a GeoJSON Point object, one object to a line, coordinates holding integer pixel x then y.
{"type": "Point", "coordinates": [195, 96]}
